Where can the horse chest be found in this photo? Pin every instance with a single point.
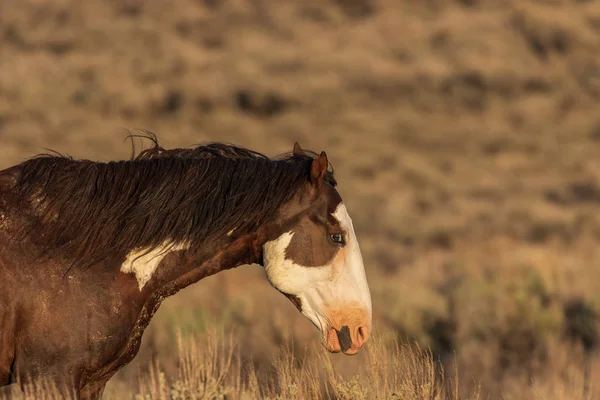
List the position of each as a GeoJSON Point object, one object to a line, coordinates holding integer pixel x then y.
{"type": "Point", "coordinates": [128, 344]}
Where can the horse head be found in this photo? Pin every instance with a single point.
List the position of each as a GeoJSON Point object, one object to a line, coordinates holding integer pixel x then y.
{"type": "Point", "coordinates": [317, 263]}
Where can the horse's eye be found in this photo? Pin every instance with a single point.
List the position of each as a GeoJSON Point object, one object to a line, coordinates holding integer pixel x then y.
{"type": "Point", "coordinates": [338, 238]}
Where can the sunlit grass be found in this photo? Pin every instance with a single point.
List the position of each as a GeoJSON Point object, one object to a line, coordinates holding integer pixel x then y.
{"type": "Point", "coordinates": [210, 365]}
{"type": "Point", "coordinates": [210, 368]}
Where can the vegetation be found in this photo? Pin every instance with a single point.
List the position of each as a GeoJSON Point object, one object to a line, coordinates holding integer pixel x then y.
{"type": "Point", "coordinates": [465, 137]}
{"type": "Point", "coordinates": [517, 336]}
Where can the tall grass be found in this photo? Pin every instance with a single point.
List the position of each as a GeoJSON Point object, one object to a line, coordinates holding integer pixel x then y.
{"type": "Point", "coordinates": [210, 367]}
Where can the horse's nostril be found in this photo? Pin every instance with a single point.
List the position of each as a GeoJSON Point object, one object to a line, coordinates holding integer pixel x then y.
{"type": "Point", "coordinates": [344, 338]}
{"type": "Point", "coordinates": [361, 336]}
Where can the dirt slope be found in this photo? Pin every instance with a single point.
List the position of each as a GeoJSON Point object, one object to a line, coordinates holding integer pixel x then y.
{"type": "Point", "coordinates": [465, 129]}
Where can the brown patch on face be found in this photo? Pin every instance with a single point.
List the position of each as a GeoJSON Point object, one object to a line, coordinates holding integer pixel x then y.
{"type": "Point", "coordinates": [333, 200]}
{"type": "Point", "coordinates": [344, 338]}
{"type": "Point", "coordinates": [310, 245]}
{"type": "Point", "coordinates": [295, 300]}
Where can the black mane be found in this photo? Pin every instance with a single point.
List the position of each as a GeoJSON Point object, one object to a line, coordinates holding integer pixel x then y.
{"type": "Point", "coordinates": [91, 210]}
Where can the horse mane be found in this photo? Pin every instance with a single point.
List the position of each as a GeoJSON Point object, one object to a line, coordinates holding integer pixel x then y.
{"type": "Point", "coordinates": [89, 211]}
{"type": "Point", "coordinates": [221, 149]}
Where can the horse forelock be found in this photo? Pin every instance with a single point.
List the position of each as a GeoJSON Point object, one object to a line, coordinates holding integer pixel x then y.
{"type": "Point", "coordinates": [89, 211]}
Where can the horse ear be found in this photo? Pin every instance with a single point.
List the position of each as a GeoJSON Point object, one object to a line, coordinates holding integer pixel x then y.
{"type": "Point", "coordinates": [297, 149]}
{"type": "Point", "coordinates": [318, 170]}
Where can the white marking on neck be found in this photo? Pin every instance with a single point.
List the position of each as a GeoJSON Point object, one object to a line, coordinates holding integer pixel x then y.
{"type": "Point", "coordinates": [144, 263]}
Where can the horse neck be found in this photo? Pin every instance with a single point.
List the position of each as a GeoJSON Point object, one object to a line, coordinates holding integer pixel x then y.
{"type": "Point", "coordinates": [182, 267]}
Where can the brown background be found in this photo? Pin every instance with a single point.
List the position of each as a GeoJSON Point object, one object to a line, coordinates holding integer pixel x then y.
{"type": "Point", "coordinates": [465, 136]}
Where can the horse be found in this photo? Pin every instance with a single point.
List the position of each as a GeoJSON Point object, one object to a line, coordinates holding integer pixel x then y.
{"type": "Point", "coordinates": [89, 250]}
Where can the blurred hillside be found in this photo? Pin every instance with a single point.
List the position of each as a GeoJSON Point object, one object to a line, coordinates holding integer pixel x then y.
{"type": "Point", "coordinates": [465, 136]}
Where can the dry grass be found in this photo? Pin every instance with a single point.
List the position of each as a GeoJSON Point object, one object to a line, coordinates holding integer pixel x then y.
{"type": "Point", "coordinates": [210, 367]}
{"type": "Point", "coordinates": [465, 137]}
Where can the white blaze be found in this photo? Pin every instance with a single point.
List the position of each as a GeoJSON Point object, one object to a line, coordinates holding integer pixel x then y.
{"type": "Point", "coordinates": [144, 264]}
{"type": "Point", "coordinates": [322, 288]}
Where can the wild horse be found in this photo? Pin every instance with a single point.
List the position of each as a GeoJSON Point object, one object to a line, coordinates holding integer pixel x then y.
{"type": "Point", "coordinates": [89, 250]}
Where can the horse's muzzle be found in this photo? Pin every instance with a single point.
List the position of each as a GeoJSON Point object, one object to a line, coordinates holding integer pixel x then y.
{"type": "Point", "coordinates": [346, 339]}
